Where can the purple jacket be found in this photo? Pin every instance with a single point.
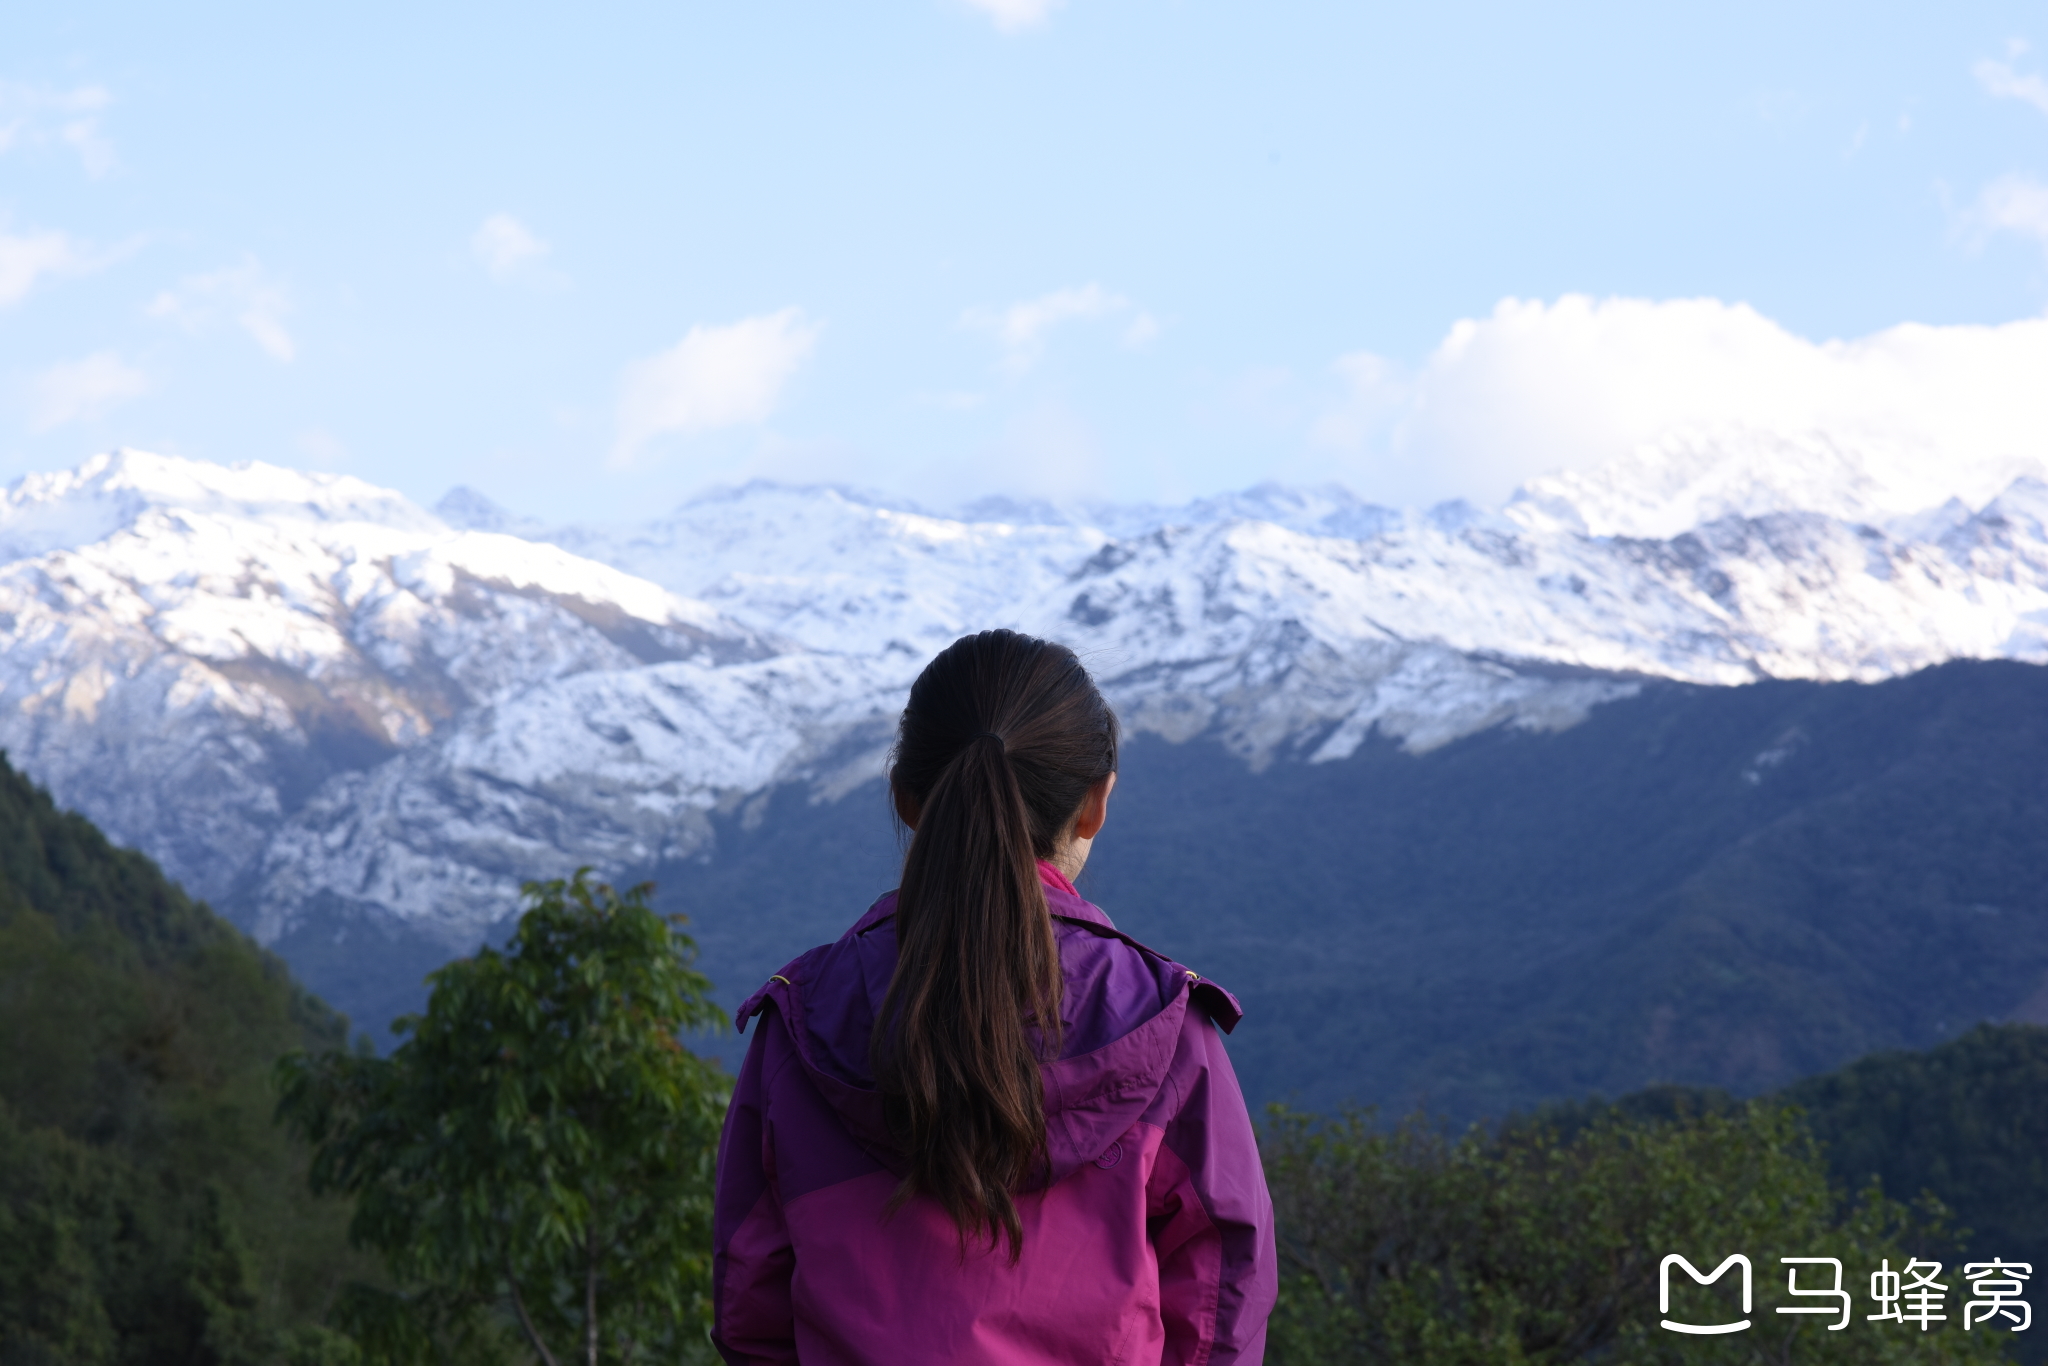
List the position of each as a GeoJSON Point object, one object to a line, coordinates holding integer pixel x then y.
{"type": "Point", "coordinates": [1152, 1243]}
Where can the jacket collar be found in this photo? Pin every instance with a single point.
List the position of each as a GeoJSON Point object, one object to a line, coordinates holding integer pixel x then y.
{"type": "Point", "coordinates": [1064, 902]}
{"type": "Point", "coordinates": [1060, 898]}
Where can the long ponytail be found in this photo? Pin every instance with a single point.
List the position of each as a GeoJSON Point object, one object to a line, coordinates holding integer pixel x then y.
{"type": "Point", "coordinates": [1002, 739]}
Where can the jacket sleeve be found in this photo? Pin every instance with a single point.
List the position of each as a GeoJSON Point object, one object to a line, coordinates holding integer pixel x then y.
{"type": "Point", "coordinates": [752, 1259]}
{"type": "Point", "coordinates": [1211, 1219]}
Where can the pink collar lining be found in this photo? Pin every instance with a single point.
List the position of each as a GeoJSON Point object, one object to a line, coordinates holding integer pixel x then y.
{"type": "Point", "coordinates": [1055, 878]}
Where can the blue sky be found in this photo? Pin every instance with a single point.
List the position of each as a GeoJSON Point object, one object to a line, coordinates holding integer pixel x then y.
{"type": "Point", "coordinates": [589, 259]}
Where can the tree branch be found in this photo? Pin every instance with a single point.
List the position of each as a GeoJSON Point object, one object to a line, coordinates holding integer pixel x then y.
{"type": "Point", "coordinates": [590, 1293]}
{"type": "Point", "coordinates": [525, 1320]}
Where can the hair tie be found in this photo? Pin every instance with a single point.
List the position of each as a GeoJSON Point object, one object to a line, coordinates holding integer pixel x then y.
{"type": "Point", "coordinates": [990, 735]}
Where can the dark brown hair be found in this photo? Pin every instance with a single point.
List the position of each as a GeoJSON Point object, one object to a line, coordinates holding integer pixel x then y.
{"type": "Point", "coordinates": [1002, 739]}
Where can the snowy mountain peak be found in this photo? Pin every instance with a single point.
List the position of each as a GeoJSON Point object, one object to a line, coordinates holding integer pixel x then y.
{"type": "Point", "coordinates": [189, 651]}
{"type": "Point", "coordinates": [61, 511]}
{"type": "Point", "coordinates": [465, 509]}
{"type": "Point", "coordinates": [2023, 503]}
{"type": "Point", "coordinates": [1690, 478]}
{"type": "Point", "coordinates": [306, 692]}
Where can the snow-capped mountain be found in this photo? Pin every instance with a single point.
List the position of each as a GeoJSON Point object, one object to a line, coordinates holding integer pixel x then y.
{"type": "Point", "coordinates": [302, 693]}
{"type": "Point", "coordinates": [192, 652]}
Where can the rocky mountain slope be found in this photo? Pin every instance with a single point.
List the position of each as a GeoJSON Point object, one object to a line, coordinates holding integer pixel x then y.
{"type": "Point", "coordinates": [193, 653]}
{"type": "Point", "coordinates": [317, 703]}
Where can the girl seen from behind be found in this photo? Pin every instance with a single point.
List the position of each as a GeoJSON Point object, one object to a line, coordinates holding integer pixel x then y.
{"type": "Point", "coordinates": [985, 1126]}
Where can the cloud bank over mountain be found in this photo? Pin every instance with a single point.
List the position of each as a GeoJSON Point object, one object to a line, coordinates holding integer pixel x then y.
{"type": "Point", "coordinates": [1146, 253]}
{"type": "Point", "coordinates": [1569, 386]}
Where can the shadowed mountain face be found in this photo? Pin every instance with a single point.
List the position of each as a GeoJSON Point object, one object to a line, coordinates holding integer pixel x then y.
{"type": "Point", "coordinates": [1731, 887]}
{"type": "Point", "coordinates": [1716, 886]}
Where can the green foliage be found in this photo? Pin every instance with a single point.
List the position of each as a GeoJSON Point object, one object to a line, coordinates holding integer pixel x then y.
{"type": "Point", "coordinates": [149, 1211]}
{"type": "Point", "coordinates": [56, 1215]}
{"type": "Point", "coordinates": [1521, 1246]}
{"type": "Point", "coordinates": [1967, 1121]}
{"type": "Point", "coordinates": [540, 1151]}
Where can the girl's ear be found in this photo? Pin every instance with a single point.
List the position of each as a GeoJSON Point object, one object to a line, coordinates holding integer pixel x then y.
{"type": "Point", "coordinates": [906, 805]}
{"type": "Point", "coordinates": [1094, 809]}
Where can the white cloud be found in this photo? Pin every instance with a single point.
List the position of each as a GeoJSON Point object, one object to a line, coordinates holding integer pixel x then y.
{"type": "Point", "coordinates": [2000, 81]}
{"type": "Point", "coordinates": [1014, 16]}
{"type": "Point", "coordinates": [40, 115]}
{"type": "Point", "coordinates": [82, 389]}
{"type": "Point", "coordinates": [2015, 203]}
{"type": "Point", "coordinates": [26, 259]}
{"type": "Point", "coordinates": [714, 377]}
{"type": "Point", "coordinates": [245, 293]}
{"type": "Point", "coordinates": [1574, 384]}
{"type": "Point", "coordinates": [1023, 327]}
{"type": "Point", "coordinates": [504, 246]}
{"type": "Point", "coordinates": [1024, 323]}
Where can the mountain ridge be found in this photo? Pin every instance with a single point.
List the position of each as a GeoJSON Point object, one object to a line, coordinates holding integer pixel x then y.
{"type": "Point", "coordinates": [306, 696]}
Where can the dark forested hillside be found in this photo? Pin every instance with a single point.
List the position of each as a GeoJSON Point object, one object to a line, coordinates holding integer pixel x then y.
{"type": "Point", "coordinates": [149, 1209]}
{"type": "Point", "coordinates": [1731, 887]}
{"type": "Point", "coordinates": [1967, 1121]}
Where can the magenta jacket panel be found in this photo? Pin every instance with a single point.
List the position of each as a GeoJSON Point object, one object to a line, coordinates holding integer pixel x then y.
{"type": "Point", "coordinates": [1152, 1242]}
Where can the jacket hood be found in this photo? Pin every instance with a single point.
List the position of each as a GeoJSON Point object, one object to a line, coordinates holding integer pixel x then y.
{"type": "Point", "coordinates": [1122, 1011]}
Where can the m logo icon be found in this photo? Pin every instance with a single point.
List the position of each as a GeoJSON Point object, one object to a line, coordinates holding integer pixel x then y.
{"type": "Point", "coordinates": [1664, 1292]}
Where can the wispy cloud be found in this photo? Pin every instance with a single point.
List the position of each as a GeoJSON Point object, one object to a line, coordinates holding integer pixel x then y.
{"type": "Point", "coordinates": [1014, 16]}
{"type": "Point", "coordinates": [82, 389]}
{"type": "Point", "coordinates": [2014, 203]}
{"type": "Point", "coordinates": [244, 293]}
{"type": "Point", "coordinates": [505, 247]}
{"type": "Point", "coordinates": [28, 257]}
{"type": "Point", "coordinates": [41, 115]}
{"type": "Point", "coordinates": [1022, 327]}
{"type": "Point", "coordinates": [714, 377]}
{"type": "Point", "coordinates": [2001, 81]}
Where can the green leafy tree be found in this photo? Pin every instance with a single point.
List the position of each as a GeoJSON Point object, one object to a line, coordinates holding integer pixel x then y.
{"type": "Point", "coordinates": [149, 1210]}
{"type": "Point", "coordinates": [535, 1162]}
{"type": "Point", "coordinates": [51, 1309]}
{"type": "Point", "coordinates": [1408, 1246]}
